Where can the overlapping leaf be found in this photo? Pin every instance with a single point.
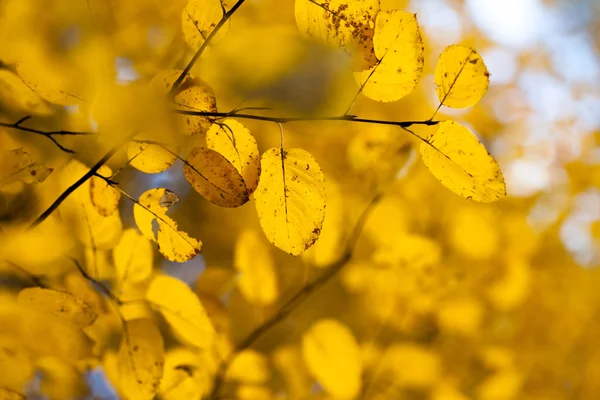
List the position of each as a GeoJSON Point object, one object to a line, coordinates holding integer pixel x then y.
{"type": "Point", "coordinates": [60, 304]}
{"type": "Point", "coordinates": [17, 165]}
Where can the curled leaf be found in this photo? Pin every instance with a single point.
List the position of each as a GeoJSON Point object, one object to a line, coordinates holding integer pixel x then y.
{"type": "Point", "coordinates": [152, 208]}
{"type": "Point", "coordinates": [215, 178]}
{"type": "Point", "coordinates": [462, 164]}
{"type": "Point", "coordinates": [461, 77]}
{"type": "Point", "coordinates": [60, 304]}
{"type": "Point", "coordinates": [182, 309]}
{"type": "Point", "coordinates": [290, 199]}
{"type": "Point", "coordinates": [235, 142]}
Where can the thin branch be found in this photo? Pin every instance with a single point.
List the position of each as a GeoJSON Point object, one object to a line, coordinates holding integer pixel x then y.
{"type": "Point", "coordinates": [204, 45]}
{"type": "Point", "coordinates": [81, 180]}
{"type": "Point", "coordinates": [48, 134]}
{"type": "Point", "coordinates": [297, 299]}
{"type": "Point", "coordinates": [96, 282]}
{"type": "Point", "coordinates": [37, 281]}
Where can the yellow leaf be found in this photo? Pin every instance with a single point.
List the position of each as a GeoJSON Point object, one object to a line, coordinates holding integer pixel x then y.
{"type": "Point", "coordinates": [462, 164]}
{"type": "Point", "coordinates": [6, 394]}
{"type": "Point", "coordinates": [462, 316]}
{"type": "Point", "coordinates": [133, 257]}
{"type": "Point", "coordinates": [503, 385]}
{"type": "Point", "coordinates": [47, 86]}
{"type": "Point", "coordinates": [345, 24]}
{"type": "Point", "coordinates": [399, 49]}
{"type": "Point", "coordinates": [412, 365]}
{"type": "Point", "coordinates": [61, 304]}
{"type": "Point", "coordinates": [198, 19]}
{"type": "Point", "coordinates": [150, 158]}
{"type": "Point", "coordinates": [185, 375]}
{"type": "Point", "coordinates": [17, 165]}
{"type": "Point", "coordinates": [141, 359]}
{"type": "Point", "coordinates": [60, 380]}
{"type": "Point", "coordinates": [332, 356]}
{"type": "Point", "coordinates": [16, 95]}
{"type": "Point", "coordinates": [253, 392]}
{"type": "Point", "coordinates": [16, 367]}
{"type": "Point", "coordinates": [288, 361]}
{"type": "Point", "coordinates": [182, 309]}
{"type": "Point", "coordinates": [215, 178]}
{"type": "Point", "coordinates": [258, 280]}
{"type": "Point", "coordinates": [235, 142]}
{"type": "Point", "coordinates": [152, 206]}
{"type": "Point", "coordinates": [249, 366]}
{"type": "Point", "coordinates": [104, 197]}
{"type": "Point", "coordinates": [461, 77]}
{"type": "Point", "coordinates": [290, 199]}
{"type": "Point", "coordinates": [215, 281]}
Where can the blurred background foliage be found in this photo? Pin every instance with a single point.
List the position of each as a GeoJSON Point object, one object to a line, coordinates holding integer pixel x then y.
{"type": "Point", "coordinates": [448, 299]}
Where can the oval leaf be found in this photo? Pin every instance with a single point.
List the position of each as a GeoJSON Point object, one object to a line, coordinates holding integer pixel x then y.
{"type": "Point", "coordinates": [141, 359]}
{"type": "Point", "coordinates": [133, 257]}
{"type": "Point", "coordinates": [215, 178]}
{"type": "Point", "coordinates": [461, 77]}
{"type": "Point", "coordinates": [48, 86]}
{"type": "Point", "coordinates": [199, 18]}
{"type": "Point", "coordinates": [16, 95]}
{"type": "Point", "coordinates": [235, 142]}
{"type": "Point", "coordinates": [152, 208]}
{"type": "Point", "coordinates": [61, 304]}
{"type": "Point", "coordinates": [462, 164]}
{"type": "Point", "coordinates": [17, 165]}
{"type": "Point", "coordinates": [290, 199]}
{"type": "Point", "coordinates": [399, 49]}
{"type": "Point", "coordinates": [150, 158]}
{"type": "Point", "coordinates": [257, 281]}
{"type": "Point", "coordinates": [104, 197]}
{"type": "Point", "coordinates": [332, 356]}
{"type": "Point", "coordinates": [182, 310]}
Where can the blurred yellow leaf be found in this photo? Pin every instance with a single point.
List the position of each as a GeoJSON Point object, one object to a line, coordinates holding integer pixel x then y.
{"type": "Point", "coordinates": [133, 257]}
{"type": "Point", "coordinates": [462, 316]}
{"type": "Point", "coordinates": [399, 51]}
{"type": "Point", "coordinates": [152, 208]}
{"type": "Point", "coordinates": [104, 197]}
{"type": "Point", "coordinates": [348, 25]}
{"type": "Point", "coordinates": [253, 392]}
{"type": "Point", "coordinates": [235, 142]}
{"type": "Point", "coordinates": [150, 158]}
{"type": "Point", "coordinates": [61, 304]}
{"type": "Point", "coordinates": [182, 309]}
{"type": "Point", "coordinates": [412, 365]}
{"type": "Point", "coordinates": [257, 281]}
{"type": "Point", "coordinates": [215, 178]}
{"type": "Point", "coordinates": [462, 164]}
{"type": "Point", "coordinates": [6, 394]}
{"type": "Point", "coordinates": [141, 359]}
{"type": "Point", "coordinates": [249, 366]}
{"type": "Point", "coordinates": [16, 367]}
{"type": "Point", "coordinates": [46, 85]}
{"type": "Point", "coordinates": [290, 199]}
{"type": "Point", "coordinates": [332, 356]}
{"type": "Point", "coordinates": [185, 375]}
{"type": "Point", "coordinates": [17, 165]}
{"type": "Point", "coordinates": [461, 77]}
{"type": "Point", "coordinates": [16, 95]}
{"type": "Point", "coordinates": [60, 380]}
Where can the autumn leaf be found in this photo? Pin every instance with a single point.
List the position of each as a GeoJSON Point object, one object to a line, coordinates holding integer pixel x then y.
{"type": "Point", "coordinates": [290, 199]}
{"type": "Point", "coordinates": [6, 394]}
{"type": "Point", "coordinates": [235, 142]}
{"type": "Point", "coordinates": [462, 164]}
{"type": "Point", "coordinates": [132, 257]}
{"type": "Point", "coordinates": [16, 95]}
{"type": "Point", "coordinates": [249, 366]}
{"type": "Point", "coordinates": [152, 208]}
{"type": "Point", "coordinates": [63, 305]}
{"type": "Point", "coordinates": [141, 359]}
{"type": "Point", "coordinates": [104, 196]}
{"type": "Point", "coordinates": [150, 158]}
{"type": "Point", "coordinates": [461, 77]}
{"type": "Point", "coordinates": [257, 281]}
{"type": "Point", "coordinates": [182, 310]}
{"type": "Point", "coordinates": [199, 18]}
{"type": "Point", "coordinates": [332, 356]}
{"type": "Point", "coordinates": [399, 50]}
{"type": "Point", "coordinates": [215, 178]}
{"type": "Point", "coordinates": [17, 165]}
{"type": "Point", "coordinates": [45, 85]}
{"type": "Point", "coordinates": [347, 25]}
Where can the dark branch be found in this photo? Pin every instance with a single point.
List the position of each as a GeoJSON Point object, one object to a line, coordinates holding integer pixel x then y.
{"type": "Point", "coordinates": [204, 45]}
{"type": "Point", "coordinates": [96, 282]}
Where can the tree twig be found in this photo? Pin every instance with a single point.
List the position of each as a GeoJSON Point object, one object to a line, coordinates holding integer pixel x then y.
{"type": "Point", "coordinates": [297, 299]}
